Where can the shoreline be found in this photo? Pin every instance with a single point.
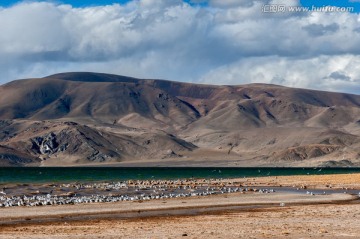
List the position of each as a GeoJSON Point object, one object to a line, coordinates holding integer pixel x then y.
{"type": "Point", "coordinates": [228, 215]}
{"type": "Point", "coordinates": [35, 195]}
{"type": "Point", "coordinates": [38, 175]}
{"type": "Point", "coordinates": [188, 206]}
{"type": "Point", "coordinates": [287, 187]}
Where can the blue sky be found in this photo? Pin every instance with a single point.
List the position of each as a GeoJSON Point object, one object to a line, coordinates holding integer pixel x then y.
{"type": "Point", "coordinates": [83, 3]}
{"type": "Point", "coordinates": [75, 3]}
{"type": "Point", "coordinates": [340, 3]}
{"type": "Point", "coordinates": [222, 42]}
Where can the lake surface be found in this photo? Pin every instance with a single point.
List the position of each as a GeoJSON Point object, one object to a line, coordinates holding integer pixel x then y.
{"type": "Point", "coordinates": [88, 174]}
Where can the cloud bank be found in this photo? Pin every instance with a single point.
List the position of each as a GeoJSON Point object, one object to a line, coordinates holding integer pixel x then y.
{"type": "Point", "coordinates": [224, 42]}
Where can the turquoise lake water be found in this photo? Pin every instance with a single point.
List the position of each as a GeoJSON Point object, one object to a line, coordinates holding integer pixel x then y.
{"type": "Point", "coordinates": [85, 174]}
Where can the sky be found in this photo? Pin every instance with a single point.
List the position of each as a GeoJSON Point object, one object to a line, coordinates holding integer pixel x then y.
{"type": "Point", "coordinates": [201, 41]}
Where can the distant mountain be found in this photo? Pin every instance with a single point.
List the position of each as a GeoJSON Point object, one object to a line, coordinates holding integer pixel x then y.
{"type": "Point", "coordinates": [93, 118]}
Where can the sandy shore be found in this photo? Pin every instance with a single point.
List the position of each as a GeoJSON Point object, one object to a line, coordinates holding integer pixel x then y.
{"type": "Point", "coordinates": [309, 221]}
{"type": "Point", "coordinates": [334, 181]}
{"type": "Point", "coordinates": [235, 215]}
{"type": "Point", "coordinates": [122, 208]}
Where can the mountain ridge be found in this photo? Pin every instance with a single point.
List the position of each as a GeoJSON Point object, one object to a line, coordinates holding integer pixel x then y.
{"type": "Point", "coordinates": [195, 123]}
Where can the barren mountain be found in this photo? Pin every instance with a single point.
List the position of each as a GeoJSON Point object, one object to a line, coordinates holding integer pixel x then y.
{"type": "Point", "coordinates": [93, 118]}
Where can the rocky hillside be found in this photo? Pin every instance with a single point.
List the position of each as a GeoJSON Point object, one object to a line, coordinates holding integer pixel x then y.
{"type": "Point", "coordinates": [93, 118]}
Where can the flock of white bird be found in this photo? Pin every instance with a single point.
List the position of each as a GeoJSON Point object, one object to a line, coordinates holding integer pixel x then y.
{"type": "Point", "coordinates": [121, 191]}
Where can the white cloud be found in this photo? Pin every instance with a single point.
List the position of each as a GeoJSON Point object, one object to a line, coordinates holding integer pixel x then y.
{"type": "Point", "coordinates": [335, 73]}
{"type": "Point", "coordinates": [174, 40]}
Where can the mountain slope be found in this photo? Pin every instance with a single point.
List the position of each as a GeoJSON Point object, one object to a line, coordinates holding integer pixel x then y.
{"type": "Point", "coordinates": [106, 118]}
